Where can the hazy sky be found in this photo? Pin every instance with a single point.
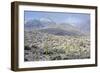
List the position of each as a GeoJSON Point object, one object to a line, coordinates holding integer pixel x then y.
{"type": "Point", "coordinates": [58, 17]}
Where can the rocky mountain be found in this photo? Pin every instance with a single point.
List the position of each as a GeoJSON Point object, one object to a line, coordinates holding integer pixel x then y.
{"type": "Point", "coordinates": [33, 24]}
{"type": "Point", "coordinates": [62, 32]}
{"type": "Point", "coordinates": [51, 27]}
{"type": "Point", "coordinates": [84, 28]}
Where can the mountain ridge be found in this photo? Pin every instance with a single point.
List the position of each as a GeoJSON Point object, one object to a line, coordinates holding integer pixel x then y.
{"type": "Point", "coordinates": [52, 27]}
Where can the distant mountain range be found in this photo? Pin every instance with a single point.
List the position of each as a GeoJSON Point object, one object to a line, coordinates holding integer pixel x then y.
{"type": "Point", "coordinates": [51, 27]}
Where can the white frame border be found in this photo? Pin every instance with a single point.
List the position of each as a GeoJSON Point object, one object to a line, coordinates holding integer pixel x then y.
{"type": "Point", "coordinates": [23, 64]}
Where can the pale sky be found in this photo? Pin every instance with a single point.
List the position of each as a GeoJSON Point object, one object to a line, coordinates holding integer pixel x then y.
{"type": "Point", "coordinates": [58, 17]}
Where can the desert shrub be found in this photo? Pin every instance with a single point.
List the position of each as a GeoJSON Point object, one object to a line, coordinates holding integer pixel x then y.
{"type": "Point", "coordinates": [44, 46]}
{"type": "Point", "coordinates": [27, 48]}
{"type": "Point", "coordinates": [56, 58]}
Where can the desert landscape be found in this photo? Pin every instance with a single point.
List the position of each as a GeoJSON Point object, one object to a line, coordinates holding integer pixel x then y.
{"type": "Point", "coordinates": [47, 40]}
